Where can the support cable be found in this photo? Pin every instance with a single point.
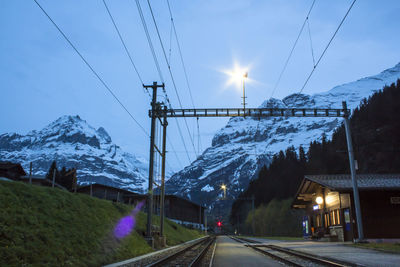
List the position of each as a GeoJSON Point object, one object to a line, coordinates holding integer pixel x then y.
{"type": "Point", "coordinates": [149, 40]}
{"type": "Point", "coordinates": [91, 68]}
{"type": "Point", "coordinates": [170, 72]}
{"type": "Point", "coordinates": [126, 49]}
{"type": "Point", "coordinates": [309, 35]}
{"type": "Point", "coordinates": [327, 46]}
{"type": "Point", "coordinates": [291, 51]}
{"type": "Point", "coordinates": [330, 41]}
{"type": "Point", "coordinates": [159, 69]}
{"type": "Point", "coordinates": [184, 70]}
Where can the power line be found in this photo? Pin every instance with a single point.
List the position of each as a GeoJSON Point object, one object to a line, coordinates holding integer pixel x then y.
{"type": "Point", "coordinates": [326, 48]}
{"type": "Point", "coordinates": [330, 41]}
{"type": "Point", "coordinates": [309, 35]}
{"type": "Point", "coordinates": [170, 72]}
{"type": "Point", "coordinates": [149, 40]}
{"type": "Point", "coordinates": [126, 49]}
{"type": "Point", "coordinates": [91, 68]}
{"type": "Point", "coordinates": [291, 51]}
{"type": "Point", "coordinates": [184, 70]}
{"type": "Point", "coordinates": [180, 53]}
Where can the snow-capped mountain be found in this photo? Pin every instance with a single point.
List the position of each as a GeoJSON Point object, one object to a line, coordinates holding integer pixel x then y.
{"type": "Point", "coordinates": [72, 142]}
{"type": "Point", "coordinates": [245, 144]}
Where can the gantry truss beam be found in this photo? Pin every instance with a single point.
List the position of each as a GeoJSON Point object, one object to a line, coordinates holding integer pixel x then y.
{"type": "Point", "coordinates": [250, 112]}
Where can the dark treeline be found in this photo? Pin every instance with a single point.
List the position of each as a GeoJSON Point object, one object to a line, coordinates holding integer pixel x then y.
{"type": "Point", "coordinates": [64, 177]}
{"type": "Point", "coordinates": [375, 127]}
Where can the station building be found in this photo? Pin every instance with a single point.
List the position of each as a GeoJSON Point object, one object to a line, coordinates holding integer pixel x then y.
{"type": "Point", "coordinates": [329, 205]}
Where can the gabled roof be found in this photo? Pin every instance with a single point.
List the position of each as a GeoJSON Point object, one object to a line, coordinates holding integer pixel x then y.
{"type": "Point", "coordinates": [81, 188]}
{"type": "Point", "coordinates": [342, 182]}
{"type": "Point", "coordinates": [8, 166]}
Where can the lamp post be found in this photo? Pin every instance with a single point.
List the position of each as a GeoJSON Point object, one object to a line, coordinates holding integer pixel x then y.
{"type": "Point", "coordinates": [223, 187]}
{"type": "Point", "coordinates": [245, 75]}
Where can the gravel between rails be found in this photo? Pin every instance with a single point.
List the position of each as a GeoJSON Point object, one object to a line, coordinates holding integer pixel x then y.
{"type": "Point", "coordinates": [154, 256]}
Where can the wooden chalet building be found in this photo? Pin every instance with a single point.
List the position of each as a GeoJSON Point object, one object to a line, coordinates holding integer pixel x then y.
{"type": "Point", "coordinates": [328, 202]}
{"type": "Point", "coordinates": [12, 171]}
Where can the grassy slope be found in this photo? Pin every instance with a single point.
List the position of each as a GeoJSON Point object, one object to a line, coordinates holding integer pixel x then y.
{"type": "Point", "coordinates": [46, 226]}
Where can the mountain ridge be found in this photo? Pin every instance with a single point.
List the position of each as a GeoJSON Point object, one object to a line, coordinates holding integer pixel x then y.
{"type": "Point", "coordinates": [244, 145]}
{"type": "Point", "coordinates": [72, 142]}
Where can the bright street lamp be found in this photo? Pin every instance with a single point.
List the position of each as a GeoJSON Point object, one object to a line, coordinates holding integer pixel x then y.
{"type": "Point", "coordinates": [223, 187]}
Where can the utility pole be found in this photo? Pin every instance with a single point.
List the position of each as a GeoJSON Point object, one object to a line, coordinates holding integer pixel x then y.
{"type": "Point", "coordinates": [30, 172]}
{"type": "Point", "coordinates": [252, 208]}
{"type": "Point", "coordinates": [54, 177]}
{"type": "Point", "coordinates": [205, 220]}
{"type": "Point", "coordinates": [245, 75]}
{"type": "Point", "coordinates": [162, 210]}
{"type": "Point", "coordinates": [151, 163]}
{"type": "Point", "coordinates": [353, 173]}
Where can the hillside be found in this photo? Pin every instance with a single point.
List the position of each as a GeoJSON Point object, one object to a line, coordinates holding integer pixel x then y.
{"type": "Point", "coordinates": [244, 145]}
{"type": "Point", "coordinates": [46, 226]}
{"type": "Point", "coordinates": [74, 143]}
{"type": "Point", "coordinates": [376, 137]}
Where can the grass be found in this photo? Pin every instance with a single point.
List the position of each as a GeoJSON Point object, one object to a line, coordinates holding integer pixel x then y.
{"type": "Point", "coordinates": [50, 227]}
{"type": "Point", "coordinates": [385, 247]}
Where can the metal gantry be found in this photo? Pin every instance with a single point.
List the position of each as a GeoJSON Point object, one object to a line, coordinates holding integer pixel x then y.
{"type": "Point", "coordinates": [161, 112]}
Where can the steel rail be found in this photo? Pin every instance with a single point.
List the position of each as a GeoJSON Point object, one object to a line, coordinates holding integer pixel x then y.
{"type": "Point", "coordinates": [310, 257]}
{"type": "Point", "coordinates": [200, 256]}
{"type": "Point", "coordinates": [164, 260]}
{"type": "Point", "coordinates": [275, 257]}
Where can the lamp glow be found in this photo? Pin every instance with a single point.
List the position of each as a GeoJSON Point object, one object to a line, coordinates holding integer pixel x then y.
{"type": "Point", "coordinates": [319, 200]}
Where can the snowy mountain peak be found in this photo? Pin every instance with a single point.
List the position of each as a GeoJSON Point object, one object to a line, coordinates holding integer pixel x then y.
{"type": "Point", "coordinates": [272, 103]}
{"type": "Point", "coordinates": [72, 142]}
{"type": "Point", "coordinates": [244, 145]}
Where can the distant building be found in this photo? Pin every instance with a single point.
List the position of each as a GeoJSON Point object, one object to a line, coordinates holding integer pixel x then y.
{"type": "Point", "coordinates": [328, 202]}
{"type": "Point", "coordinates": [10, 170]}
{"type": "Point", "coordinates": [15, 172]}
{"type": "Point", "coordinates": [178, 209]}
{"type": "Point", "coordinates": [105, 192]}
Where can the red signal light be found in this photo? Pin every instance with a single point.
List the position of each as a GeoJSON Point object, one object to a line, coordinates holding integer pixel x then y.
{"type": "Point", "coordinates": [219, 224]}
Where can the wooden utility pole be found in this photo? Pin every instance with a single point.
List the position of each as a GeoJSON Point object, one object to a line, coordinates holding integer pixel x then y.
{"type": "Point", "coordinates": [54, 177]}
{"type": "Point", "coordinates": [30, 172]}
{"type": "Point", "coordinates": [253, 226]}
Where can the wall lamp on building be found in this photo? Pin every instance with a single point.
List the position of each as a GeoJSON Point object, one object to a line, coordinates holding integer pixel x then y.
{"type": "Point", "coordinates": [319, 200]}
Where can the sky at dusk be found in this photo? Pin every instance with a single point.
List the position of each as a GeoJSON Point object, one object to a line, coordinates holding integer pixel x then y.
{"type": "Point", "coordinates": [42, 78]}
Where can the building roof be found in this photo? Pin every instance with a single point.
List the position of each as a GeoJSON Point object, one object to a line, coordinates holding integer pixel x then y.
{"type": "Point", "coordinates": [8, 166]}
{"type": "Point", "coordinates": [81, 188]}
{"type": "Point", "coordinates": [342, 182]}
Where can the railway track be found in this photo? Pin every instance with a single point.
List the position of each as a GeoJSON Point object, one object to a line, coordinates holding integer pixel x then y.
{"type": "Point", "coordinates": [292, 257]}
{"type": "Point", "coordinates": [192, 255]}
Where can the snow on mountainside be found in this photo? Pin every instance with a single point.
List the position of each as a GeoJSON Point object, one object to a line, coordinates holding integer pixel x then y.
{"type": "Point", "coordinates": [72, 142]}
{"type": "Point", "coordinates": [245, 144]}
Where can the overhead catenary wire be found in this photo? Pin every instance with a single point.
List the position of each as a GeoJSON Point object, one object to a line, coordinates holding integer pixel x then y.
{"type": "Point", "coordinates": [184, 69]}
{"type": "Point", "coordinates": [170, 72]}
{"type": "Point", "coordinates": [91, 68]}
{"type": "Point", "coordinates": [151, 46]}
{"type": "Point", "coordinates": [319, 59]}
{"type": "Point", "coordinates": [327, 46]}
{"type": "Point", "coordinates": [149, 40]}
{"type": "Point", "coordinates": [292, 49]}
{"type": "Point", "coordinates": [311, 45]}
{"type": "Point", "coordinates": [125, 47]}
